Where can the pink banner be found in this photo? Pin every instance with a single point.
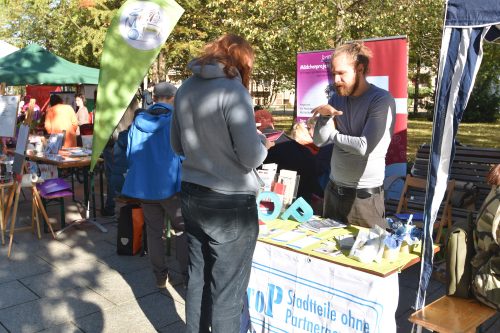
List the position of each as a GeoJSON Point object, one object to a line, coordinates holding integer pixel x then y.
{"type": "Point", "coordinates": [388, 70]}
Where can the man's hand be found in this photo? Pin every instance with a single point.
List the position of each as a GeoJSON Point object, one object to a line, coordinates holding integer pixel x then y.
{"type": "Point", "coordinates": [326, 110]}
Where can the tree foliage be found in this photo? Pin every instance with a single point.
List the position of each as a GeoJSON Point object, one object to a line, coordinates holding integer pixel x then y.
{"type": "Point", "coordinates": [73, 29]}
{"type": "Point", "coordinates": [196, 27]}
{"type": "Point", "coordinates": [484, 101]}
{"type": "Point", "coordinates": [278, 29]}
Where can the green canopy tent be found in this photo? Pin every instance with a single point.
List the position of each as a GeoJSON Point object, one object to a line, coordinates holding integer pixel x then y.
{"type": "Point", "coordinates": [35, 65]}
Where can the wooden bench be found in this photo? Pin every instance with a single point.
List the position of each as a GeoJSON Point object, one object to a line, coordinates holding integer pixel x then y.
{"type": "Point", "coordinates": [469, 169]}
{"type": "Point", "coordinates": [452, 315]}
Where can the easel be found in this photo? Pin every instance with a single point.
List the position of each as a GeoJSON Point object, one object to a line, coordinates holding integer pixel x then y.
{"type": "Point", "coordinates": [8, 114]}
{"type": "Point", "coordinates": [3, 212]}
{"type": "Point", "coordinates": [18, 170]}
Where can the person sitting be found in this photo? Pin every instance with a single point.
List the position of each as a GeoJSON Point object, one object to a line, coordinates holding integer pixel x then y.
{"type": "Point", "coordinates": [289, 154]}
{"type": "Point", "coordinates": [301, 134]}
{"type": "Point", "coordinates": [486, 235]}
{"type": "Point", "coordinates": [265, 124]}
{"type": "Point", "coordinates": [61, 117]}
{"type": "Point", "coordinates": [264, 120]}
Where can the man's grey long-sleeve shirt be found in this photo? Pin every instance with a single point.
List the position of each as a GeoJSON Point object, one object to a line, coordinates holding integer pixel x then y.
{"type": "Point", "coordinates": [361, 137]}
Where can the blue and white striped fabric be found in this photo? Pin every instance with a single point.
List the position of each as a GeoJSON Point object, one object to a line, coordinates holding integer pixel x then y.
{"type": "Point", "coordinates": [467, 24]}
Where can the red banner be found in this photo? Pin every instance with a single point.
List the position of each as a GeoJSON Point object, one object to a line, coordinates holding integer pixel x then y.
{"type": "Point", "coordinates": [41, 94]}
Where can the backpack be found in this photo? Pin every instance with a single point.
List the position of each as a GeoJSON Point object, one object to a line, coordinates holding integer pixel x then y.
{"type": "Point", "coordinates": [129, 236]}
{"type": "Point", "coordinates": [486, 262]}
{"type": "Point", "coordinates": [459, 252]}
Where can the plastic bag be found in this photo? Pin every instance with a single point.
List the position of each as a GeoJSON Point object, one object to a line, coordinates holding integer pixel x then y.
{"type": "Point", "coordinates": [369, 245]}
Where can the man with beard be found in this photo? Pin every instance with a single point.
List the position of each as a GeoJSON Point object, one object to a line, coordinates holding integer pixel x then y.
{"type": "Point", "coordinates": [359, 121]}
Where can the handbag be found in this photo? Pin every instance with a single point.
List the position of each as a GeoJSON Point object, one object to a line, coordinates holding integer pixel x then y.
{"type": "Point", "coordinates": [129, 237]}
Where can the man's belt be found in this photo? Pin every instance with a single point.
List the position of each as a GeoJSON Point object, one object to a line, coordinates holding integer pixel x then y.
{"type": "Point", "coordinates": [360, 192]}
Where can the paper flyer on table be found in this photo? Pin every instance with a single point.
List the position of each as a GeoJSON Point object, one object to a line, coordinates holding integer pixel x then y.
{"type": "Point", "coordinates": [289, 236]}
{"type": "Point", "coordinates": [304, 242]}
{"type": "Point", "coordinates": [329, 248]}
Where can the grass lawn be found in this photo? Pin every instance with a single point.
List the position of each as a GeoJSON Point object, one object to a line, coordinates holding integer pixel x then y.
{"type": "Point", "coordinates": [478, 135]}
{"type": "Point", "coordinates": [419, 131]}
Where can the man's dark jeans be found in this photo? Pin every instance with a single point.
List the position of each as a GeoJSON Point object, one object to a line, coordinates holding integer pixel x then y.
{"type": "Point", "coordinates": [366, 211]}
{"type": "Point", "coordinates": [222, 231]}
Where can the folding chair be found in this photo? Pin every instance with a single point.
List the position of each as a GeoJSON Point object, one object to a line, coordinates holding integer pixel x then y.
{"type": "Point", "coordinates": [54, 190]}
{"type": "Point", "coordinates": [413, 196]}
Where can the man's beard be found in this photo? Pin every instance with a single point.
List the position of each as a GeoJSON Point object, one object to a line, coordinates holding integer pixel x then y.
{"type": "Point", "coordinates": [347, 90]}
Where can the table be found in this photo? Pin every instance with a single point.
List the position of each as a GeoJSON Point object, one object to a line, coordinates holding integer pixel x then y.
{"type": "Point", "coordinates": [66, 161]}
{"type": "Point", "coordinates": [300, 290]}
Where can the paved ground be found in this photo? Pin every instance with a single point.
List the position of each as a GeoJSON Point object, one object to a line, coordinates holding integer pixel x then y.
{"type": "Point", "coordinates": [78, 283]}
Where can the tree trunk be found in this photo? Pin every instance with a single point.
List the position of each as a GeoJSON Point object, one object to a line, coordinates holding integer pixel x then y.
{"type": "Point", "coordinates": [154, 71]}
{"type": "Point", "coordinates": [417, 84]}
{"type": "Point", "coordinates": [161, 67]}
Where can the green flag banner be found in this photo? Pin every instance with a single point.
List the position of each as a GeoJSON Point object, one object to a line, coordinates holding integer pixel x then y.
{"type": "Point", "coordinates": [133, 41]}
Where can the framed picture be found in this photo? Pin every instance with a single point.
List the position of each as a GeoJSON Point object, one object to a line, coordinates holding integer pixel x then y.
{"type": "Point", "coordinates": [54, 143]}
{"type": "Point", "coordinates": [8, 115]}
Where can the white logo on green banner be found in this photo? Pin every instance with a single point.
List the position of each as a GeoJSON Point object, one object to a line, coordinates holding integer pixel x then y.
{"type": "Point", "coordinates": [142, 25]}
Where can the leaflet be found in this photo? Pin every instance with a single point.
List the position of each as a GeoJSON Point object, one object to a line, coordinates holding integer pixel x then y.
{"type": "Point", "coordinates": [304, 242]}
{"type": "Point", "coordinates": [289, 236]}
{"type": "Point", "coordinates": [318, 224]}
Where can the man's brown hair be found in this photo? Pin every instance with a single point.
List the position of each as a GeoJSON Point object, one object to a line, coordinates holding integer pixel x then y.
{"type": "Point", "coordinates": [234, 52]}
{"type": "Point", "coordinates": [358, 52]}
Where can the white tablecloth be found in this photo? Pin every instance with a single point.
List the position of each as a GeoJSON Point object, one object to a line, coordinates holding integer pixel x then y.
{"type": "Point", "coordinates": [291, 292]}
